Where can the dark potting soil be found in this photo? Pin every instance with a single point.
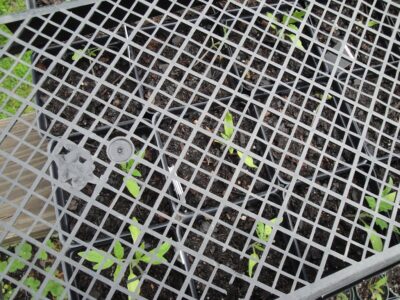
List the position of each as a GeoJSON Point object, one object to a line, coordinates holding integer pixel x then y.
{"type": "Point", "coordinates": [320, 153]}
{"type": "Point", "coordinates": [68, 92]}
{"type": "Point", "coordinates": [394, 280]}
{"type": "Point", "coordinates": [307, 202]}
{"type": "Point", "coordinates": [386, 105]}
{"type": "Point", "coordinates": [364, 292]}
{"type": "Point", "coordinates": [231, 256]}
{"type": "Point", "coordinates": [148, 289]}
{"type": "Point", "coordinates": [201, 54]}
{"type": "Point", "coordinates": [214, 154]}
{"type": "Point", "coordinates": [273, 60]}
{"type": "Point", "coordinates": [101, 220]}
{"type": "Point", "coordinates": [361, 39]}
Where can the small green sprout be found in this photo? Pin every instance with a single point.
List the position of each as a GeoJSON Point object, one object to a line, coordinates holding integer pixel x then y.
{"type": "Point", "coordinates": [290, 22]}
{"type": "Point", "coordinates": [263, 232]}
{"type": "Point", "coordinates": [387, 199]}
{"type": "Point", "coordinates": [80, 53]}
{"type": "Point", "coordinates": [131, 184]}
{"type": "Point", "coordinates": [372, 23]}
{"type": "Point", "coordinates": [101, 260]}
{"type": "Point", "coordinates": [127, 166]}
{"type": "Point", "coordinates": [215, 45]}
{"type": "Point", "coordinates": [376, 288]}
{"type": "Point", "coordinates": [24, 251]}
{"type": "Point", "coordinates": [228, 134]}
{"type": "Point", "coordinates": [341, 296]}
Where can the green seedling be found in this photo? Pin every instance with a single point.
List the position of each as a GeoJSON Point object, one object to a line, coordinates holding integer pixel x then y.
{"type": "Point", "coordinates": [24, 251]}
{"type": "Point", "coordinates": [384, 205]}
{"type": "Point", "coordinates": [227, 136]}
{"type": "Point", "coordinates": [376, 287]}
{"type": "Point", "coordinates": [102, 260]}
{"type": "Point", "coordinates": [290, 22]}
{"type": "Point", "coordinates": [215, 45]}
{"type": "Point", "coordinates": [341, 296]}
{"type": "Point", "coordinates": [370, 23]}
{"type": "Point", "coordinates": [127, 166]}
{"type": "Point", "coordinates": [263, 232]}
{"type": "Point", "coordinates": [80, 53]}
{"type": "Point", "coordinates": [131, 184]}
{"type": "Point", "coordinates": [322, 97]}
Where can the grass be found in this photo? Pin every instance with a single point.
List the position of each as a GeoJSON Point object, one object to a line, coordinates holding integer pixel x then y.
{"type": "Point", "coordinates": [11, 72]}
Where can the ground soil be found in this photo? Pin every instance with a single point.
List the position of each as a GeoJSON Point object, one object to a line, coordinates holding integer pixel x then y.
{"type": "Point", "coordinates": [364, 40]}
{"type": "Point", "coordinates": [281, 121]}
{"type": "Point", "coordinates": [148, 288]}
{"type": "Point", "coordinates": [209, 164]}
{"type": "Point", "coordinates": [70, 86]}
{"type": "Point", "coordinates": [123, 205]}
{"type": "Point", "coordinates": [230, 258]}
{"type": "Point", "coordinates": [385, 105]}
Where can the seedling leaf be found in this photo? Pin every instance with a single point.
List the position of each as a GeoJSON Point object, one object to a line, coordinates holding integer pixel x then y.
{"type": "Point", "coordinates": [136, 173]}
{"type": "Point", "coordinates": [388, 187]}
{"type": "Point", "coordinates": [375, 240]}
{"type": "Point", "coordinates": [54, 288]}
{"type": "Point", "coordinates": [3, 266]}
{"type": "Point", "coordinates": [372, 23]}
{"type": "Point", "coordinates": [78, 54]}
{"type": "Point", "coordinates": [116, 272]}
{"type": "Point", "coordinates": [252, 262]}
{"type": "Point", "coordinates": [97, 257]}
{"type": "Point", "coordinates": [132, 283]}
{"type": "Point", "coordinates": [381, 224]}
{"type": "Point", "coordinates": [16, 265]}
{"type": "Point", "coordinates": [248, 160]}
{"type": "Point", "coordinates": [32, 283]}
{"type": "Point", "coordinates": [24, 250]}
{"type": "Point", "coordinates": [297, 42]}
{"type": "Point", "coordinates": [118, 250]}
{"type": "Point", "coordinates": [134, 230]}
{"type": "Point", "coordinates": [371, 202]}
{"type": "Point", "coordinates": [133, 187]}
{"type": "Point", "coordinates": [228, 125]}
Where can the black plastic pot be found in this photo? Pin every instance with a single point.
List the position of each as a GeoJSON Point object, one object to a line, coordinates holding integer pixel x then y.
{"type": "Point", "coordinates": [359, 295]}
{"type": "Point", "coordinates": [192, 114]}
{"type": "Point", "coordinates": [70, 209]}
{"type": "Point", "coordinates": [285, 128]}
